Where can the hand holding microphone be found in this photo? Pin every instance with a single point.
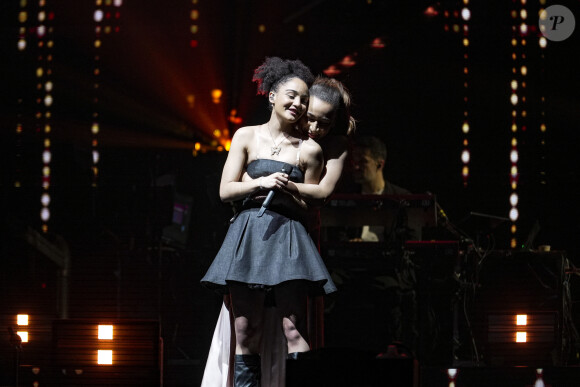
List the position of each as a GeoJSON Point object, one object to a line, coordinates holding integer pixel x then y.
{"type": "Point", "coordinates": [287, 170]}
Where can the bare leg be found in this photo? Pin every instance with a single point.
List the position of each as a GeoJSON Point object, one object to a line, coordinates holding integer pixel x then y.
{"type": "Point", "coordinates": [291, 301]}
{"type": "Point", "coordinates": [247, 307]}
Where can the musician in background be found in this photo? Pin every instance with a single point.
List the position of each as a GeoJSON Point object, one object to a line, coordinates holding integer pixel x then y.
{"type": "Point", "coordinates": [369, 156]}
{"type": "Point", "coordinates": [396, 284]}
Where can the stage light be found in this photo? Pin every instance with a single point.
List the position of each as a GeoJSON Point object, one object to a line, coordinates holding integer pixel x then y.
{"type": "Point", "coordinates": [452, 373]}
{"type": "Point", "coordinates": [465, 157]}
{"type": "Point", "coordinates": [514, 214]}
{"type": "Point", "coordinates": [514, 99]}
{"type": "Point", "coordinates": [347, 61]}
{"type": "Point", "coordinates": [216, 94]}
{"type": "Point", "coordinates": [543, 42]}
{"type": "Point", "coordinates": [522, 319]}
{"type": "Point", "coordinates": [45, 214]}
{"type": "Point", "coordinates": [105, 332]}
{"type": "Point", "coordinates": [331, 71]}
{"type": "Point", "coordinates": [46, 156]}
{"type": "Point", "coordinates": [105, 357]}
{"type": "Point", "coordinates": [514, 171]}
{"type": "Point", "coordinates": [378, 43]}
{"type": "Point", "coordinates": [22, 319]}
{"type": "Point", "coordinates": [514, 200]}
{"type": "Point", "coordinates": [98, 16]}
{"type": "Point", "coordinates": [521, 337]}
{"type": "Point", "coordinates": [465, 14]}
{"type": "Point", "coordinates": [45, 199]}
{"type": "Point", "coordinates": [23, 336]}
{"type": "Point", "coordinates": [514, 156]}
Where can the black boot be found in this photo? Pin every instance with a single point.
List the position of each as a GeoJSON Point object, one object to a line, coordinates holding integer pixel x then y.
{"type": "Point", "coordinates": [247, 371]}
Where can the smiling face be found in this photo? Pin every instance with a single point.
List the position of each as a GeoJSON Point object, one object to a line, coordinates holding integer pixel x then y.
{"type": "Point", "coordinates": [320, 118]}
{"type": "Point", "coordinates": [290, 100]}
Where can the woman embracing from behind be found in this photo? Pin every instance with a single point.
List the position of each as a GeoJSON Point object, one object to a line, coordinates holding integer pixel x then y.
{"type": "Point", "coordinates": [268, 260]}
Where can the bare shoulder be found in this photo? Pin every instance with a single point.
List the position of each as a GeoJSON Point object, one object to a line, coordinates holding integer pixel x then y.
{"type": "Point", "coordinates": [311, 147]}
{"type": "Point", "coordinates": [245, 132]}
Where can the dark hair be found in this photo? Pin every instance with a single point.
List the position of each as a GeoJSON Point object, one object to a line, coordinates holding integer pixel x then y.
{"type": "Point", "coordinates": [275, 71]}
{"type": "Point", "coordinates": [335, 93]}
{"type": "Point", "coordinates": [375, 146]}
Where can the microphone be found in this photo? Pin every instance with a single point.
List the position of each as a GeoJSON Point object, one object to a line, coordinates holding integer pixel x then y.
{"type": "Point", "coordinates": [266, 203]}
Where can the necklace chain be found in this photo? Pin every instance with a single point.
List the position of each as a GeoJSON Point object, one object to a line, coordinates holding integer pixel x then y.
{"type": "Point", "coordinates": [275, 150]}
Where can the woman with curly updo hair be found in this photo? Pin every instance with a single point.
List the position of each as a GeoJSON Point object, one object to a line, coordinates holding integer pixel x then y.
{"type": "Point", "coordinates": [268, 263]}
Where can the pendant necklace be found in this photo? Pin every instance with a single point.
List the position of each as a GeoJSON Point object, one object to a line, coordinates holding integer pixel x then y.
{"type": "Point", "coordinates": [275, 150]}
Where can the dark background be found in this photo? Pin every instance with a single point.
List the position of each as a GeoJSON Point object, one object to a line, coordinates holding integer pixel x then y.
{"type": "Point", "coordinates": [409, 93]}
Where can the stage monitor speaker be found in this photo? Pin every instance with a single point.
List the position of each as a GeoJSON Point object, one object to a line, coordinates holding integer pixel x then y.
{"type": "Point", "coordinates": [517, 308]}
{"type": "Point", "coordinates": [107, 353]}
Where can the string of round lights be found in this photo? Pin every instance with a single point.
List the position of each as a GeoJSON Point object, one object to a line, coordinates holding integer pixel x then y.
{"type": "Point", "coordinates": [44, 102]}
{"type": "Point", "coordinates": [518, 86]}
{"type": "Point", "coordinates": [465, 127]}
{"type": "Point", "coordinates": [106, 17]}
{"type": "Point", "coordinates": [21, 45]}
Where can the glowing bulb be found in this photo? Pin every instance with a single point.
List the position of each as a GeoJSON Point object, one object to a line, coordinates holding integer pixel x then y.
{"type": "Point", "coordinates": [46, 156]}
{"type": "Point", "coordinates": [514, 214]}
{"type": "Point", "coordinates": [514, 199]}
{"type": "Point", "coordinates": [98, 16]}
{"type": "Point", "coordinates": [45, 199]}
{"type": "Point", "coordinates": [543, 42]}
{"type": "Point", "coordinates": [465, 14]}
{"type": "Point", "coordinates": [465, 156]}
{"type": "Point", "coordinates": [21, 44]}
{"type": "Point", "coordinates": [45, 214]}
{"type": "Point", "coordinates": [514, 156]}
{"type": "Point", "coordinates": [514, 99]}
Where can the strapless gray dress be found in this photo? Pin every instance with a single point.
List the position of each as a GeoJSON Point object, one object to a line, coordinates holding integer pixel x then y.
{"type": "Point", "coordinates": [268, 250]}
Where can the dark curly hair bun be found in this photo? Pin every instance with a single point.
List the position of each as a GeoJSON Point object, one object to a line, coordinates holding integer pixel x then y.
{"type": "Point", "coordinates": [275, 71]}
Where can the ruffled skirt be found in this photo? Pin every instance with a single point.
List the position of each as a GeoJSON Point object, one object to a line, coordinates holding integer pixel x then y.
{"type": "Point", "coordinates": [267, 251]}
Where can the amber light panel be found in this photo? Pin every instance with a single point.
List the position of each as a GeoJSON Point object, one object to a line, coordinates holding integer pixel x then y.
{"type": "Point", "coordinates": [105, 332]}
{"type": "Point", "coordinates": [105, 357]}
